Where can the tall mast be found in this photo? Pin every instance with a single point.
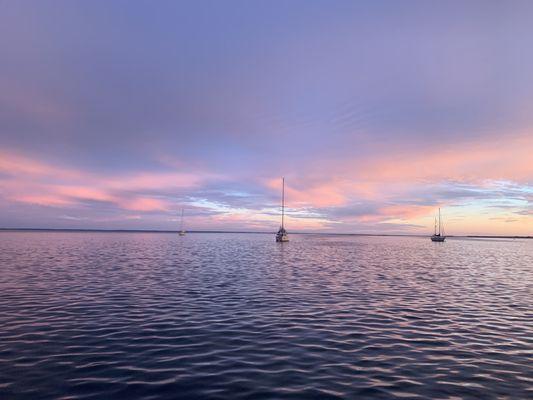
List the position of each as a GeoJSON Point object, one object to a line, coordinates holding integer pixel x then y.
{"type": "Point", "coordinates": [439, 221]}
{"type": "Point", "coordinates": [435, 226]}
{"type": "Point", "coordinates": [282, 202]}
{"type": "Point", "coordinates": [181, 221]}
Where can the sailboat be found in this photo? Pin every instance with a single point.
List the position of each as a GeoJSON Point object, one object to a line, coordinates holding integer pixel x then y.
{"type": "Point", "coordinates": [282, 235]}
{"type": "Point", "coordinates": [181, 232]}
{"type": "Point", "coordinates": [438, 237]}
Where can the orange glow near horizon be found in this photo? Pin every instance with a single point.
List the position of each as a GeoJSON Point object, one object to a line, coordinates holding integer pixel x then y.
{"type": "Point", "coordinates": [386, 186]}
{"type": "Point", "coordinates": [115, 131]}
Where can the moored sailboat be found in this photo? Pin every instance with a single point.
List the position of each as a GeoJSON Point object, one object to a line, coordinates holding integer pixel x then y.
{"type": "Point", "coordinates": [282, 235]}
{"type": "Point", "coordinates": [438, 237]}
{"type": "Point", "coordinates": [181, 232]}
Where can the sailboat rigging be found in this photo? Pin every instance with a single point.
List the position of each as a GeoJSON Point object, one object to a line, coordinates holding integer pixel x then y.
{"type": "Point", "coordinates": [438, 237]}
{"type": "Point", "coordinates": [282, 235]}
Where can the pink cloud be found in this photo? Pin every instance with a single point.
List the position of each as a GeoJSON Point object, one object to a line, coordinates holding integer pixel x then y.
{"type": "Point", "coordinates": [406, 212]}
{"type": "Point", "coordinates": [316, 195]}
{"type": "Point", "coordinates": [392, 177]}
{"type": "Point", "coordinates": [507, 158]}
{"type": "Point", "coordinates": [81, 192]}
{"type": "Point", "coordinates": [146, 181]}
{"type": "Point", "coordinates": [397, 175]}
{"type": "Point", "coordinates": [144, 204]}
{"type": "Point", "coordinates": [14, 164]}
{"type": "Point", "coordinates": [36, 182]}
{"type": "Point", "coordinates": [43, 200]}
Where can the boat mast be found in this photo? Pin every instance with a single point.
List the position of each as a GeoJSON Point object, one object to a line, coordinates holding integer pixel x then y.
{"type": "Point", "coordinates": [181, 221]}
{"type": "Point", "coordinates": [435, 227]}
{"type": "Point", "coordinates": [439, 221]}
{"type": "Point", "coordinates": [282, 202]}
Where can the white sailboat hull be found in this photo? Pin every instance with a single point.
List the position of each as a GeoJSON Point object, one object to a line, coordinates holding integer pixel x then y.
{"type": "Point", "coordinates": [438, 238]}
{"type": "Point", "coordinates": [282, 238]}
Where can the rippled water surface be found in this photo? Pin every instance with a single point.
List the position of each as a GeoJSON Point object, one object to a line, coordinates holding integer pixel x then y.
{"type": "Point", "coordinates": [230, 316]}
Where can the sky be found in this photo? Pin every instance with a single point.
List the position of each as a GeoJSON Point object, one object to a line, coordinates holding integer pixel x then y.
{"type": "Point", "coordinates": [118, 114]}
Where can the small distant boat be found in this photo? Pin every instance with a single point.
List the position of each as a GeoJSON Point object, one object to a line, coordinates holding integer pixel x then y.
{"type": "Point", "coordinates": [181, 232]}
{"type": "Point", "coordinates": [438, 237]}
{"type": "Point", "coordinates": [282, 235]}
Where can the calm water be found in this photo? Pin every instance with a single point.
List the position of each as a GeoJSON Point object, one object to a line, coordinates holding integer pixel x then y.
{"type": "Point", "coordinates": [135, 315]}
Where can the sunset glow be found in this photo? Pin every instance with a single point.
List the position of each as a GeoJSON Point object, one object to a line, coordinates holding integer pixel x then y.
{"type": "Point", "coordinates": [372, 136]}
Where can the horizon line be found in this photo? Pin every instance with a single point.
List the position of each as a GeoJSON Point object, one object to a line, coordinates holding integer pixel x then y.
{"type": "Point", "coordinates": [261, 232]}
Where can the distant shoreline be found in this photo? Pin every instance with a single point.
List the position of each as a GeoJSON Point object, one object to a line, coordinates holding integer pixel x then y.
{"type": "Point", "coordinates": [252, 232]}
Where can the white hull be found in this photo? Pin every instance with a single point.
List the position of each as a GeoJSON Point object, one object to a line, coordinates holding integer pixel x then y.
{"type": "Point", "coordinates": [282, 238]}
{"type": "Point", "coordinates": [181, 233]}
{"type": "Point", "coordinates": [438, 238]}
